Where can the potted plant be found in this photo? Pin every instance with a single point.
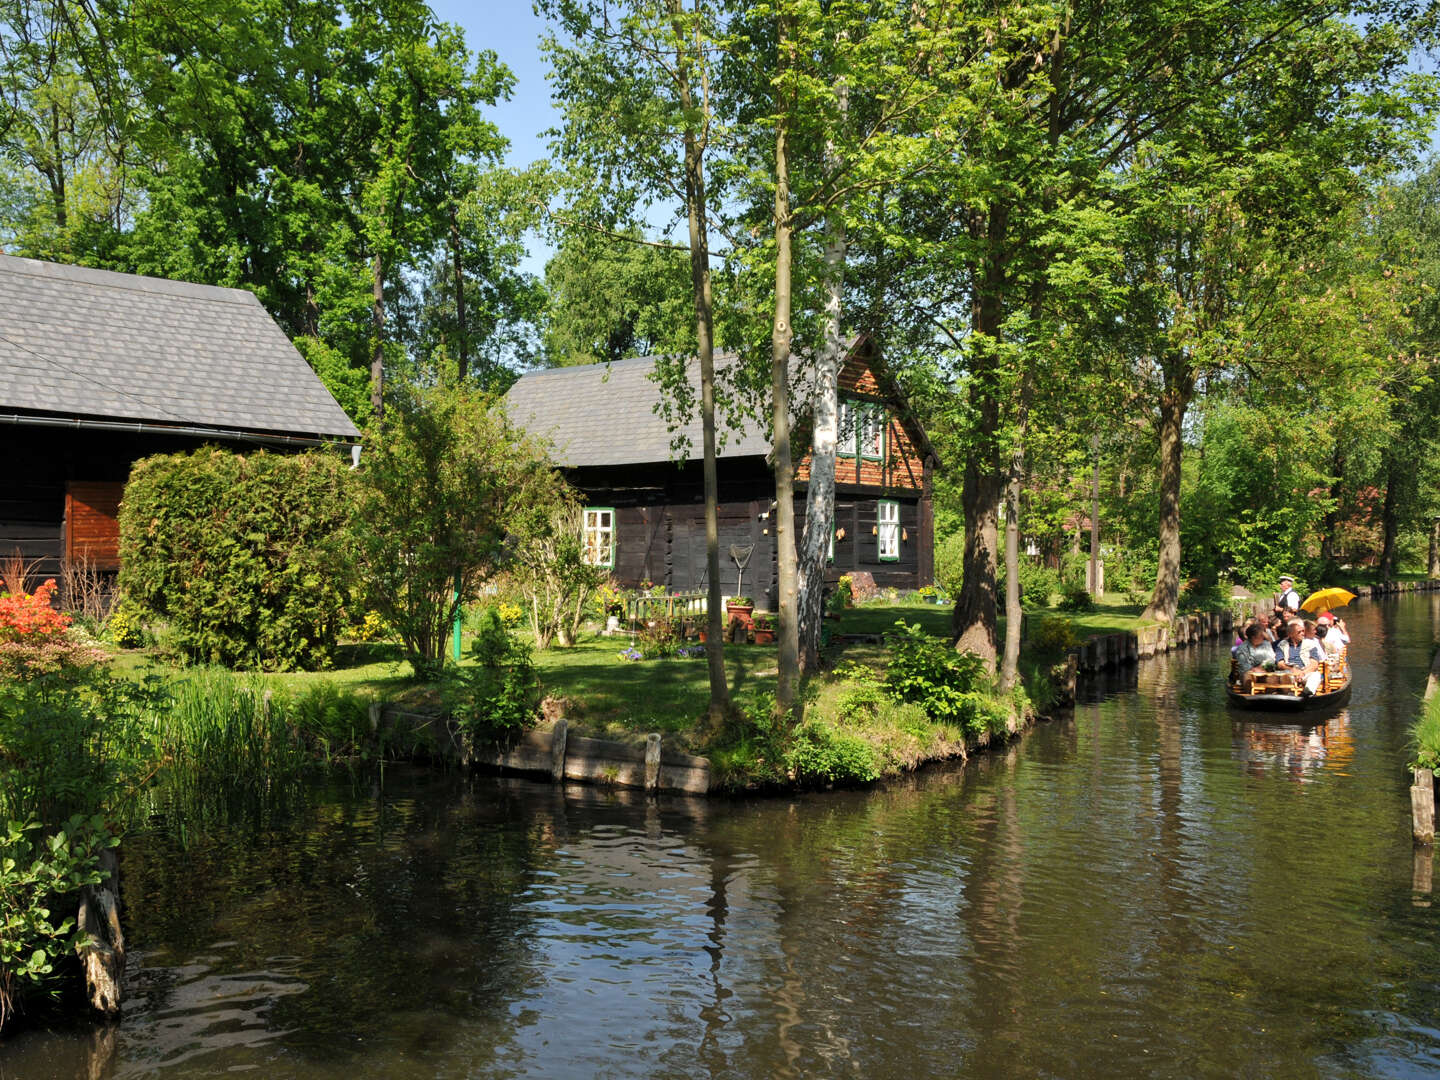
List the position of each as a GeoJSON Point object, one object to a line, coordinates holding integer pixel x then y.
{"type": "Point", "coordinates": [764, 630]}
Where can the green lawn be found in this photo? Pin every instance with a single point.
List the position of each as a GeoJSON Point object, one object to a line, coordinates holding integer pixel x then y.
{"type": "Point", "coordinates": [612, 697]}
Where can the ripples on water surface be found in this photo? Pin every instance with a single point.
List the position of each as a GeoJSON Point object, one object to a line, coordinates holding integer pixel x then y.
{"type": "Point", "coordinates": [1155, 887]}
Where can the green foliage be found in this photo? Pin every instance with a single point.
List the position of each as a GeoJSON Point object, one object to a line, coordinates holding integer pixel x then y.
{"type": "Point", "coordinates": [442, 482]}
{"type": "Point", "coordinates": [818, 754]}
{"type": "Point", "coordinates": [41, 875]}
{"type": "Point", "coordinates": [499, 697]}
{"type": "Point", "coordinates": [126, 626]}
{"type": "Point", "coordinates": [1052, 635]}
{"type": "Point", "coordinates": [925, 670]}
{"type": "Point", "coordinates": [950, 563]}
{"type": "Point", "coordinates": [1038, 583]}
{"type": "Point", "coordinates": [556, 583]}
{"type": "Point", "coordinates": [1076, 599]}
{"type": "Point", "coordinates": [241, 553]}
{"type": "Point", "coordinates": [1425, 737]}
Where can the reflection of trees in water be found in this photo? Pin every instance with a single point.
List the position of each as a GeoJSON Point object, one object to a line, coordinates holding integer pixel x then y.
{"type": "Point", "coordinates": [361, 900]}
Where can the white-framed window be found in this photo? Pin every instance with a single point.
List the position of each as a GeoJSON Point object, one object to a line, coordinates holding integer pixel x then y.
{"type": "Point", "coordinates": [889, 530]}
{"type": "Point", "coordinates": [861, 430]}
{"type": "Point", "coordinates": [600, 535]}
{"type": "Point", "coordinates": [872, 432]}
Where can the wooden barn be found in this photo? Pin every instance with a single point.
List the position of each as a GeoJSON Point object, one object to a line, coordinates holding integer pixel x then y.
{"type": "Point", "coordinates": [644, 513]}
{"type": "Point", "coordinates": [99, 369]}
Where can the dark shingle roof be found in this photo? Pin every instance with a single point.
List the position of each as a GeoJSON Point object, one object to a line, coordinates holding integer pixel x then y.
{"type": "Point", "coordinates": [96, 344]}
{"type": "Point", "coordinates": [604, 414]}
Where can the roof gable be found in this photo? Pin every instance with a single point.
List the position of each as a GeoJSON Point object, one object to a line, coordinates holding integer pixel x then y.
{"type": "Point", "coordinates": [609, 414]}
{"type": "Point", "coordinates": [96, 344]}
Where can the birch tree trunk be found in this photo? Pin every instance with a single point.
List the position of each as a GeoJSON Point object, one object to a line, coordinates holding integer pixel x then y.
{"type": "Point", "coordinates": [820, 494]}
{"type": "Point", "coordinates": [786, 697]}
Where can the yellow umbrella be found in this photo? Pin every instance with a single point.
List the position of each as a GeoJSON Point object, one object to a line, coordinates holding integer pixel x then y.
{"type": "Point", "coordinates": [1327, 598]}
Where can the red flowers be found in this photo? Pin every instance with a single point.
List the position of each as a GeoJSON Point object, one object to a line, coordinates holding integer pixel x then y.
{"type": "Point", "coordinates": [30, 617]}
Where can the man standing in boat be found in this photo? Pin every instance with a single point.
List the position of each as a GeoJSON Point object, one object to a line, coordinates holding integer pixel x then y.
{"type": "Point", "coordinates": [1288, 599]}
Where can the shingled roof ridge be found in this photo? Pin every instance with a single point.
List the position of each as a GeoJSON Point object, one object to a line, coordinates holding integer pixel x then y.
{"type": "Point", "coordinates": [114, 279]}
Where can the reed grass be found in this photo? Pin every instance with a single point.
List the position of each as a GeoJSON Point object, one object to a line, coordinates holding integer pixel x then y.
{"type": "Point", "coordinates": [1425, 735]}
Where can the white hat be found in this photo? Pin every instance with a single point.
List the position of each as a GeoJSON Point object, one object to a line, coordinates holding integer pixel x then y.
{"type": "Point", "coordinates": [1287, 577]}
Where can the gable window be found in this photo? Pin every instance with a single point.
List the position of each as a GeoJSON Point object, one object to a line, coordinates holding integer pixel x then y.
{"type": "Point", "coordinates": [861, 430]}
{"type": "Point", "coordinates": [889, 530]}
{"type": "Point", "coordinates": [600, 535]}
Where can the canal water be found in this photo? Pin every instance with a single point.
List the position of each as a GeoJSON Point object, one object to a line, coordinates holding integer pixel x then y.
{"type": "Point", "coordinates": [1157, 886]}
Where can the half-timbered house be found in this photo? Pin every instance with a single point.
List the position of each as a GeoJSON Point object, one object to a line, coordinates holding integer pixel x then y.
{"type": "Point", "coordinates": [641, 481]}
{"type": "Point", "coordinates": [99, 369]}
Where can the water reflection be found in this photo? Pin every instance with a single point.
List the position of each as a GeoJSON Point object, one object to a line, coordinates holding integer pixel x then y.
{"type": "Point", "coordinates": [1297, 751]}
{"type": "Point", "coordinates": [1112, 896]}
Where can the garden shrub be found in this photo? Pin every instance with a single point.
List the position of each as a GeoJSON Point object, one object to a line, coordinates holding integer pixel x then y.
{"type": "Point", "coordinates": [555, 581]}
{"type": "Point", "coordinates": [925, 670]}
{"type": "Point", "coordinates": [950, 563]}
{"type": "Point", "coordinates": [1052, 635]}
{"type": "Point", "coordinates": [444, 488]}
{"type": "Point", "coordinates": [242, 554]}
{"type": "Point", "coordinates": [1076, 599]}
{"type": "Point", "coordinates": [500, 696]}
{"type": "Point", "coordinates": [818, 754]}
{"type": "Point", "coordinates": [1037, 583]}
{"type": "Point", "coordinates": [37, 640]}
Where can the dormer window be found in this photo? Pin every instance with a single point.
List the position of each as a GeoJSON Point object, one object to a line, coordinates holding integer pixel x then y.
{"type": "Point", "coordinates": [861, 430]}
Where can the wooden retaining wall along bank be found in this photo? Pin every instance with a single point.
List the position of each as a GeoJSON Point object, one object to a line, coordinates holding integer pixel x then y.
{"type": "Point", "coordinates": [1422, 792]}
{"type": "Point", "coordinates": [564, 757]}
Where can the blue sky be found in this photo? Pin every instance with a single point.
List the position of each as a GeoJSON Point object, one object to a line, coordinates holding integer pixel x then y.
{"type": "Point", "coordinates": [511, 29]}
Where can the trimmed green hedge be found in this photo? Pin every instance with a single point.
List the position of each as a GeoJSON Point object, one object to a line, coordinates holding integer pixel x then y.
{"type": "Point", "coordinates": [242, 554]}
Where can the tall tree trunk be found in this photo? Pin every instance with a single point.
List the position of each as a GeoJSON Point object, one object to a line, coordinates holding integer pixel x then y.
{"type": "Point", "coordinates": [1389, 523]}
{"type": "Point", "coordinates": [1174, 400]}
{"type": "Point", "coordinates": [1432, 570]}
{"type": "Point", "coordinates": [1014, 612]}
{"type": "Point", "coordinates": [462, 338]}
{"type": "Point", "coordinates": [974, 618]}
{"type": "Point", "coordinates": [719, 707]}
{"type": "Point", "coordinates": [786, 682]}
{"type": "Point", "coordinates": [377, 355]}
{"type": "Point", "coordinates": [1332, 516]}
{"type": "Point", "coordinates": [820, 493]}
{"type": "Point", "coordinates": [1094, 584]}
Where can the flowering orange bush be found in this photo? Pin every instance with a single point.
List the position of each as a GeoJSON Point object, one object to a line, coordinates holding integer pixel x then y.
{"type": "Point", "coordinates": [35, 639]}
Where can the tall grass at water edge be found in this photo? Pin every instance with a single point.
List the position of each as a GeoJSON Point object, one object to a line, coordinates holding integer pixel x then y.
{"type": "Point", "coordinates": [1425, 735]}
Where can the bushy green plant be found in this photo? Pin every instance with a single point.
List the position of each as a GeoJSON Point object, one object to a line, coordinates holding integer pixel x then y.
{"type": "Point", "coordinates": [818, 754]}
{"type": "Point", "coordinates": [334, 720]}
{"type": "Point", "coordinates": [41, 875]}
{"type": "Point", "coordinates": [1425, 737]}
{"type": "Point", "coordinates": [1076, 600]}
{"type": "Point", "coordinates": [555, 580]}
{"type": "Point", "coordinates": [1052, 635]}
{"type": "Point", "coordinates": [242, 554]}
{"type": "Point", "coordinates": [500, 696]}
{"type": "Point", "coordinates": [925, 670]}
{"type": "Point", "coordinates": [442, 484]}
{"type": "Point", "coordinates": [1037, 583]}
{"type": "Point", "coordinates": [125, 628]}
{"type": "Point", "coordinates": [660, 638]}
{"type": "Point", "coordinates": [950, 563]}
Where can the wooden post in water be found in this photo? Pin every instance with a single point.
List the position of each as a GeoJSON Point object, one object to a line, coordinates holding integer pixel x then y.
{"type": "Point", "coordinates": [1422, 806]}
{"type": "Point", "coordinates": [557, 750]}
{"type": "Point", "coordinates": [652, 762]}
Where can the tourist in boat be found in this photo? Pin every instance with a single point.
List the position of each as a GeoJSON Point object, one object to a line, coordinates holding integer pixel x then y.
{"type": "Point", "coordinates": [1293, 655]}
{"type": "Point", "coordinates": [1331, 641]}
{"type": "Point", "coordinates": [1337, 627]}
{"type": "Point", "coordinates": [1253, 654]}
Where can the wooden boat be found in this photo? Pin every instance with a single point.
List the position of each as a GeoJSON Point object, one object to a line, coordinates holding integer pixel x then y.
{"type": "Point", "coordinates": [1274, 696]}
